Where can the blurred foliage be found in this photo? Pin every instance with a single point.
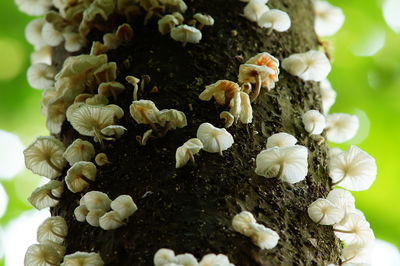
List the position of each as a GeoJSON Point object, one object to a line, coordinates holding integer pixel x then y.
{"type": "Point", "coordinates": [368, 86]}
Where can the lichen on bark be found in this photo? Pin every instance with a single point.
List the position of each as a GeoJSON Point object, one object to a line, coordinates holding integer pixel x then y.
{"type": "Point", "coordinates": [190, 209]}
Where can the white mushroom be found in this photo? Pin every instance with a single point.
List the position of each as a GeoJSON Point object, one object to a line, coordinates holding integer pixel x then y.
{"type": "Point", "coordinates": [124, 206]}
{"type": "Point", "coordinates": [101, 159]}
{"type": "Point", "coordinates": [113, 130]}
{"type": "Point", "coordinates": [83, 258]}
{"type": "Point", "coordinates": [342, 199]}
{"type": "Point", "coordinates": [96, 200]}
{"type": "Point", "coordinates": [357, 255]}
{"type": "Point", "coordinates": [275, 19]}
{"type": "Point", "coordinates": [204, 20]}
{"type": "Point", "coordinates": [264, 237]}
{"type": "Point", "coordinates": [354, 229]}
{"type": "Point", "coordinates": [281, 140]}
{"type": "Point", "coordinates": [214, 139]}
{"type": "Point", "coordinates": [33, 33]}
{"type": "Point", "coordinates": [111, 88]}
{"type": "Point", "coordinates": [93, 217]}
{"type": "Point", "coordinates": [323, 211]}
{"type": "Point", "coordinates": [171, 119]}
{"type": "Point", "coordinates": [144, 112]}
{"type": "Point", "coordinates": [186, 259]}
{"type": "Point", "coordinates": [41, 76]}
{"type": "Point", "coordinates": [328, 19]}
{"type": "Point", "coordinates": [110, 221]}
{"type": "Point", "coordinates": [167, 23]}
{"type": "Point", "coordinates": [80, 213]}
{"type": "Point", "coordinates": [328, 95]}
{"type": "Point", "coordinates": [353, 169]}
{"type": "Point", "coordinates": [287, 163]}
{"type": "Point", "coordinates": [42, 254]}
{"type": "Point", "coordinates": [312, 65]}
{"type": "Point", "coordinates": [42, 55]}
{"type": "Point", "coordinates": [186, 34]}
{"type": "Point", "coordinates": [228, 117]}
{"type": "Point", "coordinates": [314, 122]}
{"type": "Point", "coordinates": [34, 7]}
{"type": "Point", "coordinates": [80, 176]}
{"type": "Point", "coordinates": [242, 223]}
{"type": "Point", "coordinates": [267, 60]}
{"type": "Point", "coordinates": [213, 259]}
{"type": "Point", "coordinates": [260, 75]}
{"type": "Point", "coordinates": [79, 150]}
{"type": "Point", "coordinates": [164, 256]}
{"type": "Point", "coordinates": [223, 91]}
{"type": "Point", "coordinates": [45, 157]}
{"type": "Point", "coordinates": [341, 127]}
{"type": "Point", "coordinates": [54, 229]}
{"type": "Point", "coordinates": [254, 9]}
{"type": "Point", "coordinates": [51, 36]}
{"type": "Point", "coordinates": [47, 195]}
{"type": "Point", "coordinates": [58, 247]}
{"type": "Point", "coordinates": [73, 41]}
{"type": "Point", "coordinates": [332, 152]}
{"type": "Point", "coordinates": [187, 151]}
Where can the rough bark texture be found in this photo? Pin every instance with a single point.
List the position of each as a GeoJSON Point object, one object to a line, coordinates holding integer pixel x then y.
{"type": "Point", "coordinates": [190, 209]}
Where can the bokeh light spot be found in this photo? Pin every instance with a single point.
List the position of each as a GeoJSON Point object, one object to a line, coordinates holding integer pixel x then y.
{"type": "Point", "coordinates": [11, 155]}
{"type": "Point", "coordinates": [3, 200]}
{"type": "Point", "coordinates": [12, 58]}
{"type": "Point", "coordinates": [391, 11]}
{"type": "Point", "coordinates": [370, 44]}
{"type": "Point", "coordinates": [385, 253]}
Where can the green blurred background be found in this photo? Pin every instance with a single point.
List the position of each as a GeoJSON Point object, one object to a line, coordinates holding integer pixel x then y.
{"type": "Point", "coordinates": [366, 75]}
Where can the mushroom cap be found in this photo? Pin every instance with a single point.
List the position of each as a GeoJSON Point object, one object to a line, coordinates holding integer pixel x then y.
{"type": "Point", "coordinates": [246, 111]}
{"type": "Point", "coordinates": [51, 36]}
{"type": "Point", "coordinates": [79, 150]}
{"type": "Point", "coordinates": [249, 72]}
{"type": "Point", "coordinates": [110, 221]}
{"type": "Point", "coordinates": [242, 223]}
{"type": "Point", "coordinates": [54, 229]}
{"type": "Point", "coordinates": [264, 237]}
{"type": "Point", "coordinates": [167, 23]}
{"type": "Point", "coordinates": [328, 20]}
{"type": "Point", "coordinates": [118, 111]}
{"type": "Point", "coordinates": [87, 119]}
{"type": "Point", "coordinates": [312, 65]}
{"type": "Point", "coordinates": [80, 213]}
{"type": "Point", "coordinates": [175, 5]}
{"type": "Point", "coordinates": [41, 76]}
{"type": "Point", "coordinates": [101, 159]}
{"type": "Point", "coordinates": [73, 41]}
{"type": "Point", "coordinates": [113, 130]}
{"type": "Point", "coordinates": [276, 19]}
{"type": "Point", "coordinates": [222, 90]}
{"type": "Point", "coordinates": [186, 259]}
{"type": "Point", "coordinates": [93, 217]}
{"type": "Point", "coordinates": [42, 55]}
{"type": "Point", "coordinates": [328, 95]}
{"type": "Point", "coordinates": [185, 33]}
{"type": "Point", "coordinates": [74, 180]}
{"type": "Point", "coordinates": [33, 33]}
{"type": "Point", "coordinates": [124, 206]}
{"type": "Point", "coordinates": [40, 198]}
{"type": "Point", "coordinates": [332, 152]}
{"type": "Point", "coordinates": [293, 159]}
{"type": "Point", "coordinates": [82, 258]}
{"type": "Point", "coordinates": [96, 200]}
{"type": "Point", "coordinates": [204, 19]}
{"type": "Point", "coordinates": [164, 256]}
{"type": "Point", "coordinates": [342, 199]}
{"type": "Point", "coordinates": [341, 127]}
{"type": "Point", "coordinates": [58, 247]}
{"type": "Point", "coordinates": [314, 122]}
{"type": "Point", "coordinates": [213, 259]}
{"type": "Point", "coordinates": [173, 117]}
{"type": "Point", "coordinates": [42, 151]}
{"type": "Point", "coordinates": [188, 149]}
{"type": "Point", "coordinates": [324, 212]}
{"type": "Point", "coordinates": [144, 112]}
{"type": "Point", "coordinates": [281, 140]}
{"type": "Point", "coordinates": [228, 117]}
{"type": "Point", "coordinates": [268, 60]}
{"type": "Point", "coordinates": [357, 255]}
{"type": "Point", "coordinates": [42, 254]}
{"type": "Point", "coordinates": [55, 113]}
{"type": "Point", "coordinates": [110, 88]}
{"type": "Point", "coordinates": [214, 139]}
{"type": "Point", "coordinates": [34, 8]}
{"type": "Point", "coordinates": [361, 233]}
{"type": "Point", "coordinates": [254, 9]}
{"type": "Point", "coordinates": [356, 167]}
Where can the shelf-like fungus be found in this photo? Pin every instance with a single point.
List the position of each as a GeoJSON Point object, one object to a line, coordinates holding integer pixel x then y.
{"type": "Point", "coordinates": [287, 163]}
{"type": "Point", "coordinates": [45, 157]}
{"type": "Point", "coordinates": [312, 65]}
{"type": "Point", "coordinates": [41, 76]}
{"type": "Point", "coordinates": [53, 229]}
{"type": "Point", "coordinates": [328, 19]}
{"type": "Point", "coordinates": [187, 151]}
{"type": "Point", "coordinates": [314, 122]}
{"type": "Point", "coordinates": [79, 150]}
{"type": "Point", "coordinates": [341, 127]}
{"type": "Point", "coordinates": [328, 95]}
{"type": "Point", "coordinates": [186, 34]}
{"type": "Point", "coordinates": [281, 140]}
{"type": "Point", "coordinates": [96, 200]}
{"type": "Point", "coordinates": [264, 237]}
{"type": "Point", "coordinates": [83, 258]}
{"type": "Point", "coordinates": [354, 229]}
{"type": "Point", "coordinates": [260, 75]}
{"type": "Point", "coordinates": [42, 254]}
{"type": "Point", "coordinates": [204, 20]}
{"type": "Point", "coordinates": [213, 259]}
{"type": "Point", "coordinates": [124, 206]}
{"type": "Point", "coordinates": [47, 195]}
{"type": "Point", "coordinates": [254, 9]}
{"type": "Point", "coordinates": [353, 169]}
{"type": "Point", "coordinates": [214, 139]}
{"type": "Point", "coordinates": [110, 220]}
{"type": "Point", "coordinates": [80, 176]}
{"type": "Point", "coordinates": [323, 211]}
{"type": "Point", "coordinates": [275, 19]}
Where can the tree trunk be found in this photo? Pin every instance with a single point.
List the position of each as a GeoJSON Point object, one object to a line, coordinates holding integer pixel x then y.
{"type": "Point", "coordinates": [190, 210]}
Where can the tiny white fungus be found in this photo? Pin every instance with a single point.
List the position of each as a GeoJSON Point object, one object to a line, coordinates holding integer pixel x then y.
{"type": "Point", "coordinates": [204, 20]}
{"type": "Point", "coordinates": [328, 19]}
{"type": "Point", "coordinates": [187, 151]}
{"type": "Point", "coordinates": [47, 195]}
{"type": "Point", "coordinates": [323, 211]}
{"type": "Point", "coordinates": [51, 36]}
{"type": "Point", "coordinates": [42, 254]}
{"type": "Point", "coordinates": [93, 217]}
{"type": "Point", "coordinates": [110, 221]}
{"type": "Point", "coordinates": [281, 140]}
{"type": "Point", "coordinates": [213, 259]}
{"type": "Point", "coordinates": [80, 213]}
{"type": "Point", "coordinates": [144, 112]}
{"type": "Point", "coordinates": [33, 33]}
{"type": "Point", "coordinates": [275, 19]}
{"type": "Point", "coordinates": [82, 258]}
{"type": "Point", "coordinates": [34, 7]}
{"type": "Point", "coordinates": [41, 76]}
{"type": "Point", "coordinates": [223, 91]}
{"type": "Point", "coordinates": [113, 130]}
{"type": "Point", "coordinates": [328, 95]}
{"type": "Point", "coordinates": [260, 75]}
{"type": "Point", "coordinates": [264, 237]}
{"type": "Point", "coordinates": [73, 41]}
{"type": "Point", "coordinates": [101, 159]}
{"type": "Point", "coordinates": [79, 150]}
{"type": "Point", "coordinates": [96, 200]}
{"type": "Point", "coordinates": [342, 199]}
{"type": "Point", "coordinates": [254, 9]}
{"type": "Point", "coordinates": [124, 206]}
{"type": "Point", "coordinates": [53, 229]}
{"type": "Point", "coordinates": [164, 256]}
{"type": "Point", "coordinates": [167, 23]}
{"type": "Point", "coordinates": [228, 117]}
{"type": "Point", "coordinates": [354, 229]}
{"type": "Point", "coordinates": [314, 122]}
{"type": "Point", "coordinates": [80, 176]}
{"type": "Point", "coordinates": [214, 139]}
{"type": "Point", "coordinates": [242, 223]}
{"type": "Point", "coordinates": [186, 34]}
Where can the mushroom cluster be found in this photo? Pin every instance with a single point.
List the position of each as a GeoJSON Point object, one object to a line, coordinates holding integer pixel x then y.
{"type": "Point", "coordinates": [98, 210]}
{"type": "Point", "coordinates": [167, 257]}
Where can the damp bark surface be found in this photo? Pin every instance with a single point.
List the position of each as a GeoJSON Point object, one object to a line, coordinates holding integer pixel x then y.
{"type": "Point", "coordinates": [190, 209]}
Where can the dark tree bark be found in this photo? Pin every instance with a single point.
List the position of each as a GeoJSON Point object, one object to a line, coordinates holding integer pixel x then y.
{"type": "Point", "coordinates": [191, 209]}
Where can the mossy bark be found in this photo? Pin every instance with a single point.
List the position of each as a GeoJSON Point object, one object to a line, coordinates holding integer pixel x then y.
{"type": "Point", "coordinates": [191, 209]}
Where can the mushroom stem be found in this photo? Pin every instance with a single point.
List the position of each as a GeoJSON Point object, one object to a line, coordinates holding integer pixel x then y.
{"type": "Point", "coordinates": [57, 234]}
{"type": "Point", "coordinates": [348, 260]}
{"type": "Point", "coordinates": [114, 95]}
{"type": "Point", "coordinates": [186, 37]}
{"type": "Point", "coordinates": [256, 92]}
{"type": "Point", "coordinates": [87, 180]}
{"type": "Point", "coordinates": [340, 180]}
{"type": "Point", "coordinates": [191, 157]}
{"type": "Point", "coordinates": [312, 129]}
{"type": "Point", "coordinates": [281, 168]}
{"type": "Point", "coordinates": [52, 165]}
{"type": "Point", "coordinates": [135, 92]}
{"type": "Point", "coordinates": [270, 30]}
{"type": "Point", "coordinates": [167, 127]}
{"type": "Point", "coordinates": [99, 136]}
{"type": "Point", "coordinates": [343, 231]}
{"type": "Point", "coordinates": [201, 26]}
{"type": "Point", "coordinates": [51, 195]}
{"type": "Point", "coordinates": [219, 148]}
{"type": "Point", "coordinates": [323, 216]}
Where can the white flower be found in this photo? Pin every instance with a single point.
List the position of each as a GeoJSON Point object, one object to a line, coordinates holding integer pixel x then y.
{"type": "Point", "coordinates": [328, 95]}
{"type": "Point", "coordinates": [53, 229]}
{"type": "Point", "coordinates": [287, 163]}
{"type": "Point", "coordinates": [275, 19]}
{"type": "Point", "coordinates": [323, 211]}
{"type": "Point", "coordinates": [353, 169]}
{"type": "Point", "coordinates": [186, 34]}
{"type": "Point", "coordinates": [187, 151]}
{"type": "Point", "coordinates": [214, 139]}
{"type": "Point", "coordinates": [254, 9]}
{"type": "Point", "coordinates": [314, 122]}
{"type": "Point", "coordinates": [354, 229]}
{"type": "Point", "coordinates": [79, 150]}
{"type": "Point", "coordinates": [341, 127]}
{"type": "Point", "coordinates": [41, 76]}
{"type": "Point", "coordinates": [328, 20]}
{"type": "Point", "coordinates": [281, 140]}
{"type": "Point", "coordinates": [312, 65]}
